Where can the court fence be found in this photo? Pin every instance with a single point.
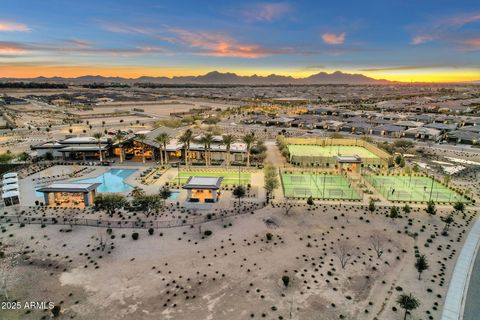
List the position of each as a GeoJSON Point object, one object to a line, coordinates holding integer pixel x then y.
{"type": "Point", "coordinates": [414, 188]}
{"type": "Point", "coordinates": [323, 186]}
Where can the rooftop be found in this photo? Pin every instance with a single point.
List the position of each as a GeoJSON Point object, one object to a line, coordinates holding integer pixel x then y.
{"type": "Point", "coordinates": [69, 187]}
{"type": "Point", "coordinates": [203, 183]}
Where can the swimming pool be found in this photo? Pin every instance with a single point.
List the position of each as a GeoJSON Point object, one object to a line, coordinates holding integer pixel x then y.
{"type": "Point", "coordinates": [112, 180]}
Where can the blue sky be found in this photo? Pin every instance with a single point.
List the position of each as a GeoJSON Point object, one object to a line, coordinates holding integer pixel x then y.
{"type": "Point", "coordinates": [399, 40]}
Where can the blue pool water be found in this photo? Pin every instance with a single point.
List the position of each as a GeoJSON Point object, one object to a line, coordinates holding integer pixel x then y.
{"type": "Point", "coordinates": [112, 180]}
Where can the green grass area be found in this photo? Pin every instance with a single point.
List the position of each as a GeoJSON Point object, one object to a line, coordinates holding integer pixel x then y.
{"type": "Point", "coordinates": [318, 186]}
{"type": "Point", "coordinates": [229, 178]}
{"type": "Point", "coordinates": [415, 189]}
{"type": "Point", "coordinates": [304, 150]}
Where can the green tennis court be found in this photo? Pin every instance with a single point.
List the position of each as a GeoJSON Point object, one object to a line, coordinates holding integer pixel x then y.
{"type": "Point", "coordinates": [415, 189]}
{"type": "Point", "coordinates": [230, 178]}
{"type": "Point", "coordinates": [318, 186]}
{"type": "Point", "coordinates": [304, 150]}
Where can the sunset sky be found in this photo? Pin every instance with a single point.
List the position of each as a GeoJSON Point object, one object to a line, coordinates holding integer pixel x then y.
{"type": "Point", "coordinates": [405, 40]}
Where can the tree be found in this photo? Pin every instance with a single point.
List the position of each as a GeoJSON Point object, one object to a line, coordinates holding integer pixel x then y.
{"type": "Point", "coordinates": [248, 139]}
{"type": "Point", "coordinates": [371, 205]}
{"type": "Point", "coordinates": [165, 193]}
{"type": "Point", "coordinates": [147, 203]}
{"type": "Point", "coordinates": [186, 139]}
{"type": "Point", "coordinates": [163, 139]}
{"type": "Point", "coordinates": [136, 192]}
{"type": "Point", "coordinates": [287, 206]}
{"type": "Point", "coordinates": [98, 136]}
{"type": "Point", "coordinates": [141, 138]}
{"type": "Point", "coordinates": [398, 160]}
{"type": "Point", "coordinates": [448, 220]}
{"type": "Point", "coordinates": [227, 141]}
{"type": "Point", "coordinates": [447, 179]}
{"type": "Point", "coordinates": [393, 212]}
{"type": "Point", "coordinates": [24, 157]}
{"type": "Point", "coordinates": [119, 139]}
{"type": "Point", "coordinates": [407, 302]}
{"type": "Point", "coordinates": [406, 208]}
{"type": "Point", "coordinates": [239, 192]}
{"type": "Point", "coordinates": [286, 280]}
{"type": "Point", "coordinates": [403, 145]}
{"type": "Point", "coordinates": [459, 206]}
{"type": "Point", "coordinates": [310, 201]}
{"type": "Point", "coordinates": [377, 241]}
{"type": "Point", "coordinates": [421, 265]}
{"type": "Point", "coordinates": [344, 253]}
{"type": "Point", "coordinates": [208, 139]}
{"type": "Point", "coordinates": [431, 209]}
{"type": "Point", "coordinates": [109, 202]}
{"type": "Point", "coordinates": [271, 179]}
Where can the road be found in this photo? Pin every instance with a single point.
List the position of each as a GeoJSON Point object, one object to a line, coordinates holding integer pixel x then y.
{"type": "Point", "coordinates": [472, 306]}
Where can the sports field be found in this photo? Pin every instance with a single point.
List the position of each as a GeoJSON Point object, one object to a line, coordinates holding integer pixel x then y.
{"type": "Point", "coordinates": [318, 186]}
{"type": "Point", "coordinates": [304, 150]}
{"type": "Point", "coordinates": [409, 188]}
{"type": "Point", "coordinates": [229, 177]}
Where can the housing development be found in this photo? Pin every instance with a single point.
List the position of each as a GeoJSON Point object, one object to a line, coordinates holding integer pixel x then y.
{"type": "Point", "coordinates": [155, 190]}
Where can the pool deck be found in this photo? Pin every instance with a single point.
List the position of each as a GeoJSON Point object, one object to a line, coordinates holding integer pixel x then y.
{"type": "Point", "coordinates": [28, 184]}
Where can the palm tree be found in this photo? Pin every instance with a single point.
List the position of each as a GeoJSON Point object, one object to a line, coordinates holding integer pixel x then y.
{"type": "Point", "coordinates": [421, 265]}
{"type": "Point", "coordinates": [407, 302]}
{"type": "Point", "coordinates": [98, 136]}
{"type": "Point", "coordinates": [207, 140]}
{"type": "Point", "coordinates": [248, 139]}
{"type": "Point", "coordinates": [163, 139]}
{"type": "Point", "coordinates": [142, 138]}
{"type": "Point", "coordinates": [186, 139]}
{"type": "Point", "coordinates": [227, 141]}
{"type": "Point", "coordinates": [119, 138]}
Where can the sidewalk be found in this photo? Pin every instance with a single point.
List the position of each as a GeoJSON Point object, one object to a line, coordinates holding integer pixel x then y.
{"type": "Point", "coordinates": [458, 288]}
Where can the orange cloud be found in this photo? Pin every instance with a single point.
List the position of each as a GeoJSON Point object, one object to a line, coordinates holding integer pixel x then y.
{"type": "Point", "coordinates": [471, 44]}
{"type": "Point", "coordinates": [6, 26]}
{"type": "Point", "coordinates": [8, 48]}
{"type": "Point", "coordinates": [332, 38]}
{"type": "Point", "coordinates": [220, 45]}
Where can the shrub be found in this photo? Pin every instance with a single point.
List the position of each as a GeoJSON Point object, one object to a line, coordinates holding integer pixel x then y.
{"type": "Point", "coordinates": [56, 311]}
{"type": "Point", "coordinates": [135, 236]}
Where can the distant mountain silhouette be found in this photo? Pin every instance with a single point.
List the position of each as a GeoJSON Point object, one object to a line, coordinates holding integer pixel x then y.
{"type": "Point", "coordinates": [219, 78]}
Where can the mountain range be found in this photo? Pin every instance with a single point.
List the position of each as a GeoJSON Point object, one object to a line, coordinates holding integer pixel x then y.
{"type": "Point", "coordinates": [218, 78]}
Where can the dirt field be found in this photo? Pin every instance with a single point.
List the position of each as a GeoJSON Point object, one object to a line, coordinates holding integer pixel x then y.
{"type": "Point", "coordinates": [236, 273]}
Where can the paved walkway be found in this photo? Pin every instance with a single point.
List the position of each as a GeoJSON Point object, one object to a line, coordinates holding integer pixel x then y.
{"type": "Point", "coordinates": [457, 290]}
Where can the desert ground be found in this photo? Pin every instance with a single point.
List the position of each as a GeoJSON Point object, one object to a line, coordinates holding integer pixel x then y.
{"type": "Point", "coordinates": [236, 272]}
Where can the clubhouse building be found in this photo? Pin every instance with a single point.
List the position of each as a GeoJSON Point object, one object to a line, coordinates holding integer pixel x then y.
{"type": "Point", "coordinates": [137, 147]}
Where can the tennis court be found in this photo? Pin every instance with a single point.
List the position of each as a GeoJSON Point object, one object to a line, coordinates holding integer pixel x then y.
{"type": "Point", "coordinates": [229, 177]}
{"type": "Point", "coordinates": [304, 150]}
{"type": "Point", "coordinates": [415, 189]}
{"type": "Point", "coordinates": [318, 186]}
